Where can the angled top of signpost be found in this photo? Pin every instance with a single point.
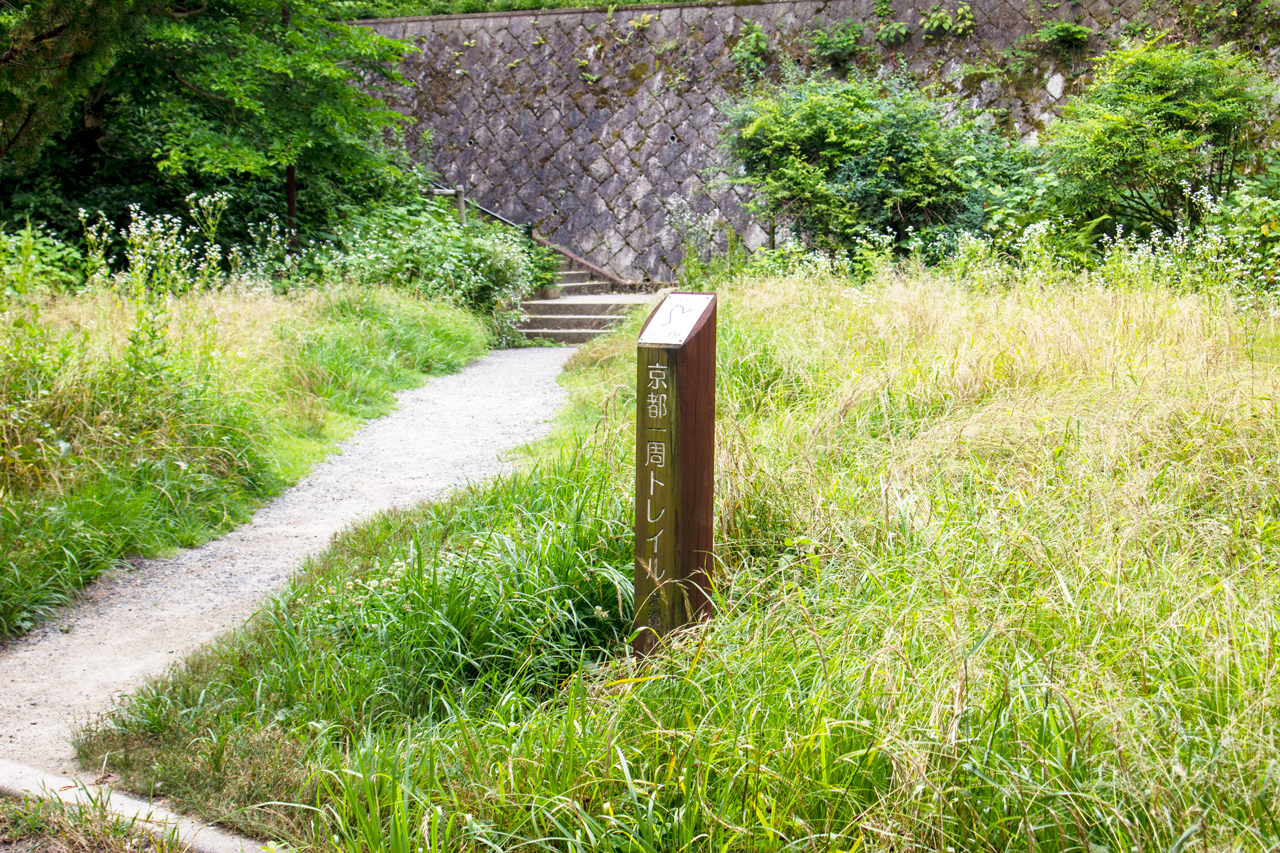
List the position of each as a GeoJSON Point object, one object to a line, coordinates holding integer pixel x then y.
{"type": "Point", "coordinates": [677, 319]}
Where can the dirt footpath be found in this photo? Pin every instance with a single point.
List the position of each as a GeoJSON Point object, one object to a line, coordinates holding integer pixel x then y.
{"type": "Point", "coordinates": [134, 624]}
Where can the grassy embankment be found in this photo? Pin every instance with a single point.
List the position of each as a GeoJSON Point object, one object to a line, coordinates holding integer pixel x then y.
{"type": "Point", "coordinates": [133, 426]}
{"type": "Point", "coordinates": [999, 571]}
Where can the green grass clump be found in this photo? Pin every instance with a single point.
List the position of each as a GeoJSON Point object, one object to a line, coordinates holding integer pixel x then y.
{"type": "Point", "coordinates": [135, 426]}
{"type": "Point", "coordinates": [52, 826]}
{"type": "Point", "coordinates": [998, 570]}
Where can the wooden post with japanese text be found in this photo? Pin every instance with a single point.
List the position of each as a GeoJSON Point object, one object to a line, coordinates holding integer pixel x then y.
{"type": "Point", "coordinates": [675, 449]}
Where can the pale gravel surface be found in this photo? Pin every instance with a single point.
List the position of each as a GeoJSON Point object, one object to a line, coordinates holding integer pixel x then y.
{"type": "Point", "coordinates": [132, 625]}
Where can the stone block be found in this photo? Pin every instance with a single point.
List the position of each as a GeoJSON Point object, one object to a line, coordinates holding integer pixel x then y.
{"type": "Point", "coordinates": [597, 118]}
{"type": "Point", "coordinates": [612, 240]}
{"type": "Point", "coordinates": [754, 236]}
{"type": "Point", "coordinates": [679, 170]}
{"type": "Point", "coordinates": [648, 204]}
{"type": "Point", "coordinates": [639, 189]}
{"type": "Point", "coordinates": [553, 136]}
{"type": "Point", "coordinates": [520, 172]}
{"type": "Point", "coordinates": [584, 244]}
{"type": "Point", "coordinates": [580, 221]}
{"type": "Point", "coordinates": [507, 139]}
{"type": "Point", "coordinates": [650, 116]}
{"type": "Point", "coordinates": [613, 187]}
{"type": "Point", "coordinates": [648, 262]}
{"type": "Point", "coordinates": [668, 239]}
{"type": "Point", "coordinates": [702, 116]}
{"type": "Point", "coordinates": [632, 135]}
{"type": "Point", "coordinates": [597, 207]}
{"type": "Point", "coordinates": [585, 186]}
{"type": "Point", "coordinates": [627, 169]}
{"type": "Point", "coordinates": [633, 221]}
{"type": "Point", "coordinates": [669, 154]}
{"type": "Point", "coordinates": [622, 261]}
{"type": "Point", "coordinates": [566, 205]}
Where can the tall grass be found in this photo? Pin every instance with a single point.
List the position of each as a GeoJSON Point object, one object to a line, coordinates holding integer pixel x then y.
{"type": "Point", "coordinates": [998, 570]}
{"type": "Point", "coordinates": [134, 424]}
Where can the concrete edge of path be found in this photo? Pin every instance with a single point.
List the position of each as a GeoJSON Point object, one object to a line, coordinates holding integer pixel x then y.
{"type": "Point", "coordinates": [18, 781]}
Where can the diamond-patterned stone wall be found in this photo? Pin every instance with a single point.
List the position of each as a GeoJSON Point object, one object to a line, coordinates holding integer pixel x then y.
{"type": "Point", "coordinates": [602, 127]}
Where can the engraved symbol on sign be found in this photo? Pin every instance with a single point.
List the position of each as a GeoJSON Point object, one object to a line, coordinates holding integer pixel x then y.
{"type": "Point", "coordinates": [658, 377]}
{"type": "Point", "coordinates": [671, 315]}
{"type": "Point", "coordinates": [657, 454]}
{"type": "Point", "coordinates": [654, 539]}
{"type": "Point", "coordinates": [653, 480]}
{"type": "Point", "coordinates": [657, 405]}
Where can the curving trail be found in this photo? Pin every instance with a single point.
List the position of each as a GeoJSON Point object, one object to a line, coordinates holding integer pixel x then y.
{"type": "Point", "coordinates": [133, 624]}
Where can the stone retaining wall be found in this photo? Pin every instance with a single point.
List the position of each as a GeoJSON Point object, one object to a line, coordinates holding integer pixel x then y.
{"type": "Point", "coordinates": [601, 127]}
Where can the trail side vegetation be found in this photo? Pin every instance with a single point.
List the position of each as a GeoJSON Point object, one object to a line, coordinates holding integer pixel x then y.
{"type": "Point", "coordinates": [177, 342]}
{"type": "Point", "coordinates": [120, 102]}
{"type": "Point", "coordinates": [996, 548]}
{"type": "Point", "coordinates": [152, 399]}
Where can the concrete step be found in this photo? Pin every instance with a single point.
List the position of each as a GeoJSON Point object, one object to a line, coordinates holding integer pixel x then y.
{"type": "Point", "coordinates": [546, 307]}
{"type": "Point", "coordinates": [582, 288]}
{"type": "Point", "coordinates": [566, 336]}
{"type": "Point", "coordinates": [575, 316]}
{"type": "Point", "coordinates": [570, 321]}
{"type": "Point", "coordinates": [573, 276]}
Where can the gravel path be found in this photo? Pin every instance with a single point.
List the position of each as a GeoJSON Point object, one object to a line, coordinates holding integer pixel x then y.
{"type": "Point", "coordinates": [134, 624]}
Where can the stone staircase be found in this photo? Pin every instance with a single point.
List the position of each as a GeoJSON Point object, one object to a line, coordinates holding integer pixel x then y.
{"type": "Point", "coordinates": [581, 307]}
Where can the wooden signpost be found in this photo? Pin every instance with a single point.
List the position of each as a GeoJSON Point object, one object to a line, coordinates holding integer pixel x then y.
{"type": "Point", "coordinates": [675, 449]}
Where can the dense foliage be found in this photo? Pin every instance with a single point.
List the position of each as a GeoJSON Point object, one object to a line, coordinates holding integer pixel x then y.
{"type": "Point", "coordinates": [1162, 128]}
{"type": "Point", "coordinates": [51, 53]}
{"type": "Point", "coordinates": [1169, 137]}
{"type": "Point", "coordinates": [844, 159]}
{"type": "Point", "coordinates": [201, 97]}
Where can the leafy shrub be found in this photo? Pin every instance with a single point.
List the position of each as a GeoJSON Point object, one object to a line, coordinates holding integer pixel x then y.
{"type": "Point", "coordinates": [844, 159]}
{"type": "Point", "coordinates": [417, 244]}
{"type": "Point", "coordinates": [839, 44]}
{"type": "Point", "coordinates": [751, 50]}
{"type": "Point", "coordinates": [1160, 124]}
{"type": "Point", "coordinates": [1063, 35]}
{"type": "Point", "coordinates": [893, 33]}
{"type": "Point", "coordinates": [938, 22]}
{"type": "Point", "coordinates": [1248, 220]}
{"type": "Point", "coordinates": [30, 258]}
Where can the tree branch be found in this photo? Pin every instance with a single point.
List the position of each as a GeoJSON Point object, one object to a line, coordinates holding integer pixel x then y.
{"type": "Point", "coordinates": [190, 13]}
{"type": "Point", "coordinates": [13, 140]}
{"type": "Point", "coordinates": [14, 52]}
{"type": "Point", "coordinates": [201, 92]}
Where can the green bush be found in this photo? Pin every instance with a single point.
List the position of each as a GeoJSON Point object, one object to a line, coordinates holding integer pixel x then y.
{"type": "Point", "coordinates": [846, 159]}
{"type": "Point", "coordinates": [1161, 126]}
{"type": "Point", "coordinates": [751, 51]}
{"type": "Point", "coordinates": [839, 44]}
{"type": "Point", "coordinates": [415, 242]}
{"type": "Point", "coordinates": [30, 258]}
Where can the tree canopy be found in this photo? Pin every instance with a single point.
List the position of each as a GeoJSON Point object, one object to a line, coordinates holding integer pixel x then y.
{"type": "Point", "coordinates": [52, 52]}
{"type": "Point", "coordinates": [111, 102]}
{"type": "Point", "coordinates": [246, 86]}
